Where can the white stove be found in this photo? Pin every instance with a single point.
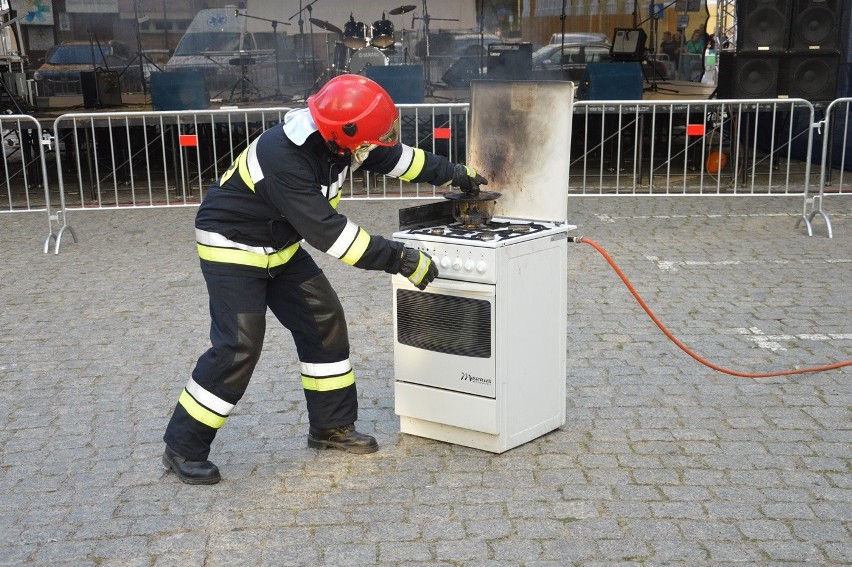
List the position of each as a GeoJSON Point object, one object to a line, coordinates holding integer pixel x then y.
{"type": "Point", "coordinates": [480, 355]}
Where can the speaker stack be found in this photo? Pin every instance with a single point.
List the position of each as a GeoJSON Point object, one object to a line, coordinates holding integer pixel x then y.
{"type": "Point", "coordinates": [787, 48]}
{"type": "Point", "coordinates": [510, 61]}
{"type": "Point", "coordinates": [100, 88]}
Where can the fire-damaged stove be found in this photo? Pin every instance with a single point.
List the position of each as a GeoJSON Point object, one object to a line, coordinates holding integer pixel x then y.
{"type": "Point", "coordinates": [480, 355]}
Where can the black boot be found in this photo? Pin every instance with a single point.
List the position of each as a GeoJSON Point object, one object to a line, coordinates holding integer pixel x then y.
{"type": "Point", "coordinates": [344, 438]}
{"type": "Point", "coordinates": [191, 472]}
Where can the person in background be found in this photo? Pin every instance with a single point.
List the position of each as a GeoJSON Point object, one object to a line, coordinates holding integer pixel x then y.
{"type": "Point", "coordinates": [670, 47]}
{"type": "Point", "coordinates": [282, 189]}
{"type": "Point", "coordinates": [694, 56]}
{"type": "Point", "coordinates": [696, 43]}
{"type": "Point", "coordinates": [678, 41]}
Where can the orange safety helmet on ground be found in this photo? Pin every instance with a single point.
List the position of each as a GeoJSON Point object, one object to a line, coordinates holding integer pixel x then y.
{"type": "Point", "coordinates": [716, 161]}
{"type": "Point", "coordinates": [353, 112]}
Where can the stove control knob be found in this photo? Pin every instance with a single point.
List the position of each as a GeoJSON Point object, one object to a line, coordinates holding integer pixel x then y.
{"type": "Point", "coordinates": [445, 262]}
{"type": "Point", "coordinates": [468, 265]}
{"type": "Point", "coordinates": [481, 266]}
{"type": "Point", "coordinates": [457, 264]}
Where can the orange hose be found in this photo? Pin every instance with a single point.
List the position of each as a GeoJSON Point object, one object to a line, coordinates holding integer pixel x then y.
{"type": "Point", "coordinates": [686, 349]}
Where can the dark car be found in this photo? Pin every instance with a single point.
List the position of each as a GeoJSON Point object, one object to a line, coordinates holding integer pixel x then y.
{"type": "Point", "coordinates": [567, 62]}
{"type": "Point", "coordinates": [60, 72]}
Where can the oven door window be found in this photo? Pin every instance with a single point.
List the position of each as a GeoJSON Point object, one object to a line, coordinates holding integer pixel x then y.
{"type": "Point", "coordinates": [444, 323]}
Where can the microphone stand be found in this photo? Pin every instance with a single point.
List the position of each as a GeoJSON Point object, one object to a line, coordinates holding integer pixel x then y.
{"type": "Point", "coordinates": [562, 37]}
{"type": "Point", "coordinates": [302, 33]}
{"type": "Point", "coordinates": [430, 88]}
{"type": "Point", "coordinates": [480, 8]}
{"type": "Point", "coordinates": [652, 16]}
{"type": "Point", "coordinates": [275, 39]}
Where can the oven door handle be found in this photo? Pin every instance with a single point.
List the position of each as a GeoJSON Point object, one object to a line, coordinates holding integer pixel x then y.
{"type": "Point", "coordinates": [463, 288]}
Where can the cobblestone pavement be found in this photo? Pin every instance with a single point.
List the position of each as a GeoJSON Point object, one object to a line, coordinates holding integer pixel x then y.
{"type": "Point", "coordinates": [661, 460]}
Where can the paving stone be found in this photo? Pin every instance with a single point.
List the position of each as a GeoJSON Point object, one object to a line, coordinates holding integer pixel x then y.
{"type": "Point", "coordinates": [661, 461]}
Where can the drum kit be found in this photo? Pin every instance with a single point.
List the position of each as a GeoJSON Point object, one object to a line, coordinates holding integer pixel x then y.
{"type": "Point", "coordinates": [361, 46]}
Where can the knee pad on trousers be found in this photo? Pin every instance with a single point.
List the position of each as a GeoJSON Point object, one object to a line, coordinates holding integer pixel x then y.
{"type": "Point", "coordinates": [328, 313]}
{"type": "Point", "coordinates": [251, 328]}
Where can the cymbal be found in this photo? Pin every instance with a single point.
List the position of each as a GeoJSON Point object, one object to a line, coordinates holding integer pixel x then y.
{"type": "Point", "coordinates": [326, 26]}
{"type": "Point", "coordinates": [402, 10]}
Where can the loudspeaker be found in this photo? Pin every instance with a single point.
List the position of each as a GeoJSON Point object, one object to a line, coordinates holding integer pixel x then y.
{"type": "Point", "coordinates": [811, 76]}
{"type": "Point", "coordinates": [628, 44]}
{"type": "Point", "coordinates": [611, 81]}
{"type": "Point", "coordinates": [763, 25]}
{"type": "Point", "coordinates": [816, 24]}
{"type": "Point", "coordinates": [404, 83]}
{"type": "Point", "coordinates": [462, 72]}
{"type": "Point", "coordinates": [100, 89]}
{"type": "Point", "coordinates": [748, 75]}
{"type": "Point", "coordinates": [179, 90]}
{"type": "Point", "coordinates": [510, 61]}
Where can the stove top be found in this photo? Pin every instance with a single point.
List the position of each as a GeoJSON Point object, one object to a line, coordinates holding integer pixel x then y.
{"type": "Point", "coordinates": [495, 231]}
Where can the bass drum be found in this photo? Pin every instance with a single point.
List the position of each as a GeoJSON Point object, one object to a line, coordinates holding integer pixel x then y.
{"type": "Point", "coordinates": [366, 57]}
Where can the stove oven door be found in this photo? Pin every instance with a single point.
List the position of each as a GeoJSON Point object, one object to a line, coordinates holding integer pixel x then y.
{"type": "Point", "coordinates": [444, 335]}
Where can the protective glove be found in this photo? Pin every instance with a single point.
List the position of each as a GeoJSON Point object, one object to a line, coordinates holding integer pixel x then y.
{"type": "Point", "coordinates": [467, 179]}
{"type": "Point", "coordinates": [418, 267]}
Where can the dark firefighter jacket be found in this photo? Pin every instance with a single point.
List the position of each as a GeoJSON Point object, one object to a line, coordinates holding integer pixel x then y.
{"type": "Point", "coordinates": [285, 187]}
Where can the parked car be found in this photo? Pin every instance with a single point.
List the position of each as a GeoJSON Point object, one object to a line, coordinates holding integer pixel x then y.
{"type": "Point", "coordinates": [579, 37]}
{"type": "Point", "coordinates": [60, 72]}
{"type": "Point", "coordinates": [558, 62]}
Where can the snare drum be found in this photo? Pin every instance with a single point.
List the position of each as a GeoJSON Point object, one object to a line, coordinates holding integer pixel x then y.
{"type": "Point", "coordinates": [354, 34]}
{"type": "Point", "coordinates": [366, 57]}
{"type": "Point", "coordinates": [382, 33]}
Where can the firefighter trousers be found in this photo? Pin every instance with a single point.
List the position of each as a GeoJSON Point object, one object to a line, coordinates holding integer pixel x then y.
{"type": "Point", "coordinates": [303, 301]}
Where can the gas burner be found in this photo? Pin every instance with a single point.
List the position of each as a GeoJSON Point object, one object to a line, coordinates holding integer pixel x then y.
{"type": "Point", "coordinates": [493, 232]}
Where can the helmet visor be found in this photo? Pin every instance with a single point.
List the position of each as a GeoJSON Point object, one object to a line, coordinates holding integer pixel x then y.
{"type": "Point", "coordinates": [391, 137]}
{"type": "Point", "coordinates": [360, 153]}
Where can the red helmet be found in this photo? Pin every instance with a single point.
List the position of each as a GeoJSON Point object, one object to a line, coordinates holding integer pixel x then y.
{"type": "Point", "coordinates": [353, 112]}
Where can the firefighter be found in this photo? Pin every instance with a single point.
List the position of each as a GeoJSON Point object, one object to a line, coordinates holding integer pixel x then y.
{"type": "Point", "coordinates": [282, 189]}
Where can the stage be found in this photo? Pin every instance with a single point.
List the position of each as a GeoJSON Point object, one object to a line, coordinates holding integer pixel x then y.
{"type": "Point", "coordinates": [295, 96]}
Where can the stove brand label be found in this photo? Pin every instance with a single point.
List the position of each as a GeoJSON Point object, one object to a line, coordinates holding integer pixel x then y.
{"type": "Point", "coordinates": [465, 377]}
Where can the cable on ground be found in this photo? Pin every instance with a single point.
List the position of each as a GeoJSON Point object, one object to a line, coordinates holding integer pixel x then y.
{"type": "Point", "coordinates": [683, 347]}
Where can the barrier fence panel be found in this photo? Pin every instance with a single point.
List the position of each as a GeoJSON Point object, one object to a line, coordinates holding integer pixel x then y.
{"type": "Point", "coordinates": [709, 147]}
{"type": "Point", "coordinates": [161, 159]}
{"type": "Point", "coordinates": [25, 184]}
{"type": "Point", "coordinates": [834, 149]}
{"type": "Point", "coordinates": [145, 159]}
{"type": "Point", "coordinates": [149, 159]}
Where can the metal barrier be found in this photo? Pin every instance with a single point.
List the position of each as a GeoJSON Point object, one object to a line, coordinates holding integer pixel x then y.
{"type": "Point", "coordinates": [712, 147]}
{"type": "Point", "coordinates": [25, 169]}
{"type": "Point", "coordinates": [151, 159]}
{"type": "Point", "coordinates": [709, 147]}
{"type": "Point", "coordinates": [835, 150]}
{"type": "Point", "coordinates": [162, 159]}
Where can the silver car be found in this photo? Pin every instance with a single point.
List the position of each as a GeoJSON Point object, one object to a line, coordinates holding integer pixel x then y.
{"type": "Point", "coordinates": [558, 62]}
